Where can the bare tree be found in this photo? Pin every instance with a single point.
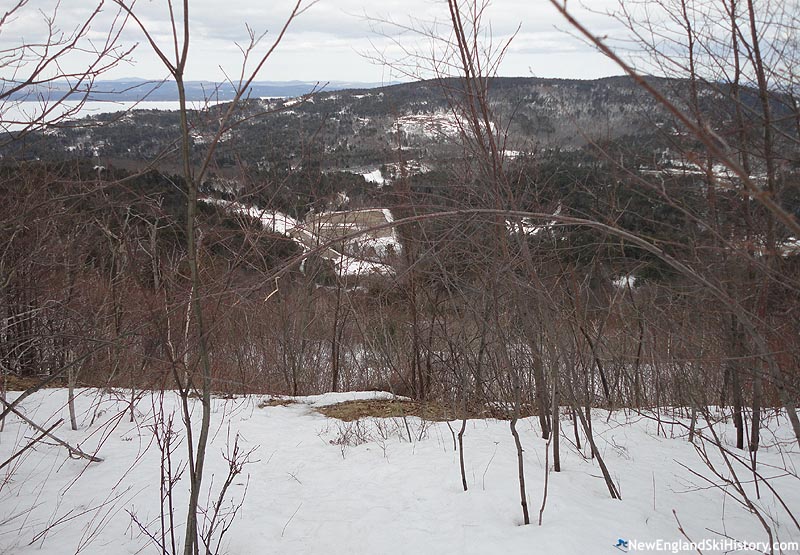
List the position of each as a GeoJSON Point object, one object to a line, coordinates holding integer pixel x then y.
{"type": "Point", "coordinates": [174, 58]}
{"type": "Point", "coordinates": [36, 71]}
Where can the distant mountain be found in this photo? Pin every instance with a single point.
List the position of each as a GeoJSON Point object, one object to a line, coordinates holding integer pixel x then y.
{"type": "Point", "coordinates": [132, 89]}
{"type": "Point", "coordinates": [371, 131]}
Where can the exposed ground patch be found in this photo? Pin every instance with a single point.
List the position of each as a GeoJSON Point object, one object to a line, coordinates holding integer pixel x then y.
{"type": "Point", "coordinates": [17, 383]}
{"type": "Point", "coordinates": [391, 408]}
{"type": "Point", "coordinates": [277, 402]}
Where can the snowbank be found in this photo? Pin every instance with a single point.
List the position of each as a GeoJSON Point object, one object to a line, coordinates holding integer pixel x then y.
{"type": "Point", "coordinates": [328, 399]}
{"type": "Point", "coordinates": [319, 485]}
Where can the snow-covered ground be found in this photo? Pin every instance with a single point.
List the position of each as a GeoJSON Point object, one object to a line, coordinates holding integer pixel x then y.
{"type": "Point", "coordinates": [272, 220]}
{"type": "Point", "coordinates": [304, 235]}
{"type": "Point", "coordinates": [374, 176]}
{"type": "Point", "coordinates": [380, 244]}
{"type": "Point", "coordinates": [393, 170]}
{"type": "Point", "coordinates": [319, 485]}
{"type": "Point", "coordinates": [437, 125]}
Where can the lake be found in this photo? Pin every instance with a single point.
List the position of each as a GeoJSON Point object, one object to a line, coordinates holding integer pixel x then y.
{"type": "Point", "coordinates": [13, 115]}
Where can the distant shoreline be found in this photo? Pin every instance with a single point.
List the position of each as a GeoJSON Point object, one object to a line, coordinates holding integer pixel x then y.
{"type": "Point", "coordinates": [196, 91]}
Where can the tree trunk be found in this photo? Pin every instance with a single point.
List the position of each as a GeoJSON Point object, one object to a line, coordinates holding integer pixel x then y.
{"type": "Point", "coordinates": [71, 378]}
{"type": "Point", "coordinates": [523, 496]}
{"type": "Point", "coordinates": [540, 385]}
{"type": "Point", "coordinates": [575, 430]}
{"type": "Point", "coordinates": [556, 428]}
{"type": "Point", "coordinates": [612, 488]}
{"type": "Point", "coordinates": [461, 452]}
{"type": "Point", "coordinates": [335, 339]}
{"type": "Point", "coordinates": [755, 423]}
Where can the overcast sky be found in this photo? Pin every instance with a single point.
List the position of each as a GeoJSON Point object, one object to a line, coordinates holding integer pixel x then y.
{"type": "Point", "coordinates": [333, 40]}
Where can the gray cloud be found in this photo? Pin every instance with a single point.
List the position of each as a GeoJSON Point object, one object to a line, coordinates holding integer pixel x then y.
{"type": "Point", "coordinates": [326, 42]}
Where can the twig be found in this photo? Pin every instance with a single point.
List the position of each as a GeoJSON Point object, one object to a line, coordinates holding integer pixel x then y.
{"type": "Point", "coordinates": [31, 444]}
{"type": "Point", "coordinates": [683, 532]}
{"type": "Point", "coordinates": [73, 451]}
{"type": "Point", "coordinates": [290, 519]}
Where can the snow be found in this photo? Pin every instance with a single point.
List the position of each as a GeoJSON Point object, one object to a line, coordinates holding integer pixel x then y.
{"type": "Point", "coordinates": [431, 125]}
{"type": "Point", "coordinates": [351, 266]}
{"type": "Point", "coordinates": [319, 485]}
{"type": "Point", "coordinates": [374, 176]}
{"type": "Point", "coordinates": [295, 101]}
{"type": "Point", "coordinates": [328, 399]}
{"type": "Point", "coordinates": [624, 282]}
{"type": "Point", "coordinates": [345, 264]}
{"type": "Point", "coordinates": [385, 245]}
{"type": "Point", "coordinates": [272, 220]}
{"type": "Point", "coordinates": [529, 226]}
{"type": "Point", "coordinates": [441, 124]}
{"type": "Point", "coordinates": [789, 247]}
{"type": "Point", "coordinates": [384, 242]}
{"type": "Point", "coordinates": [407, 167]}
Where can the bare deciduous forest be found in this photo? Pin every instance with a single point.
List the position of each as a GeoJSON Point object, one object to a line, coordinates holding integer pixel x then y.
{"type": "Point", "coordinates": [549, 298]}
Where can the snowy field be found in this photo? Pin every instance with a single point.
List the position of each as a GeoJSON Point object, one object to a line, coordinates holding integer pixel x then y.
{"type": "Point", "coordinates": [319, 485]}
